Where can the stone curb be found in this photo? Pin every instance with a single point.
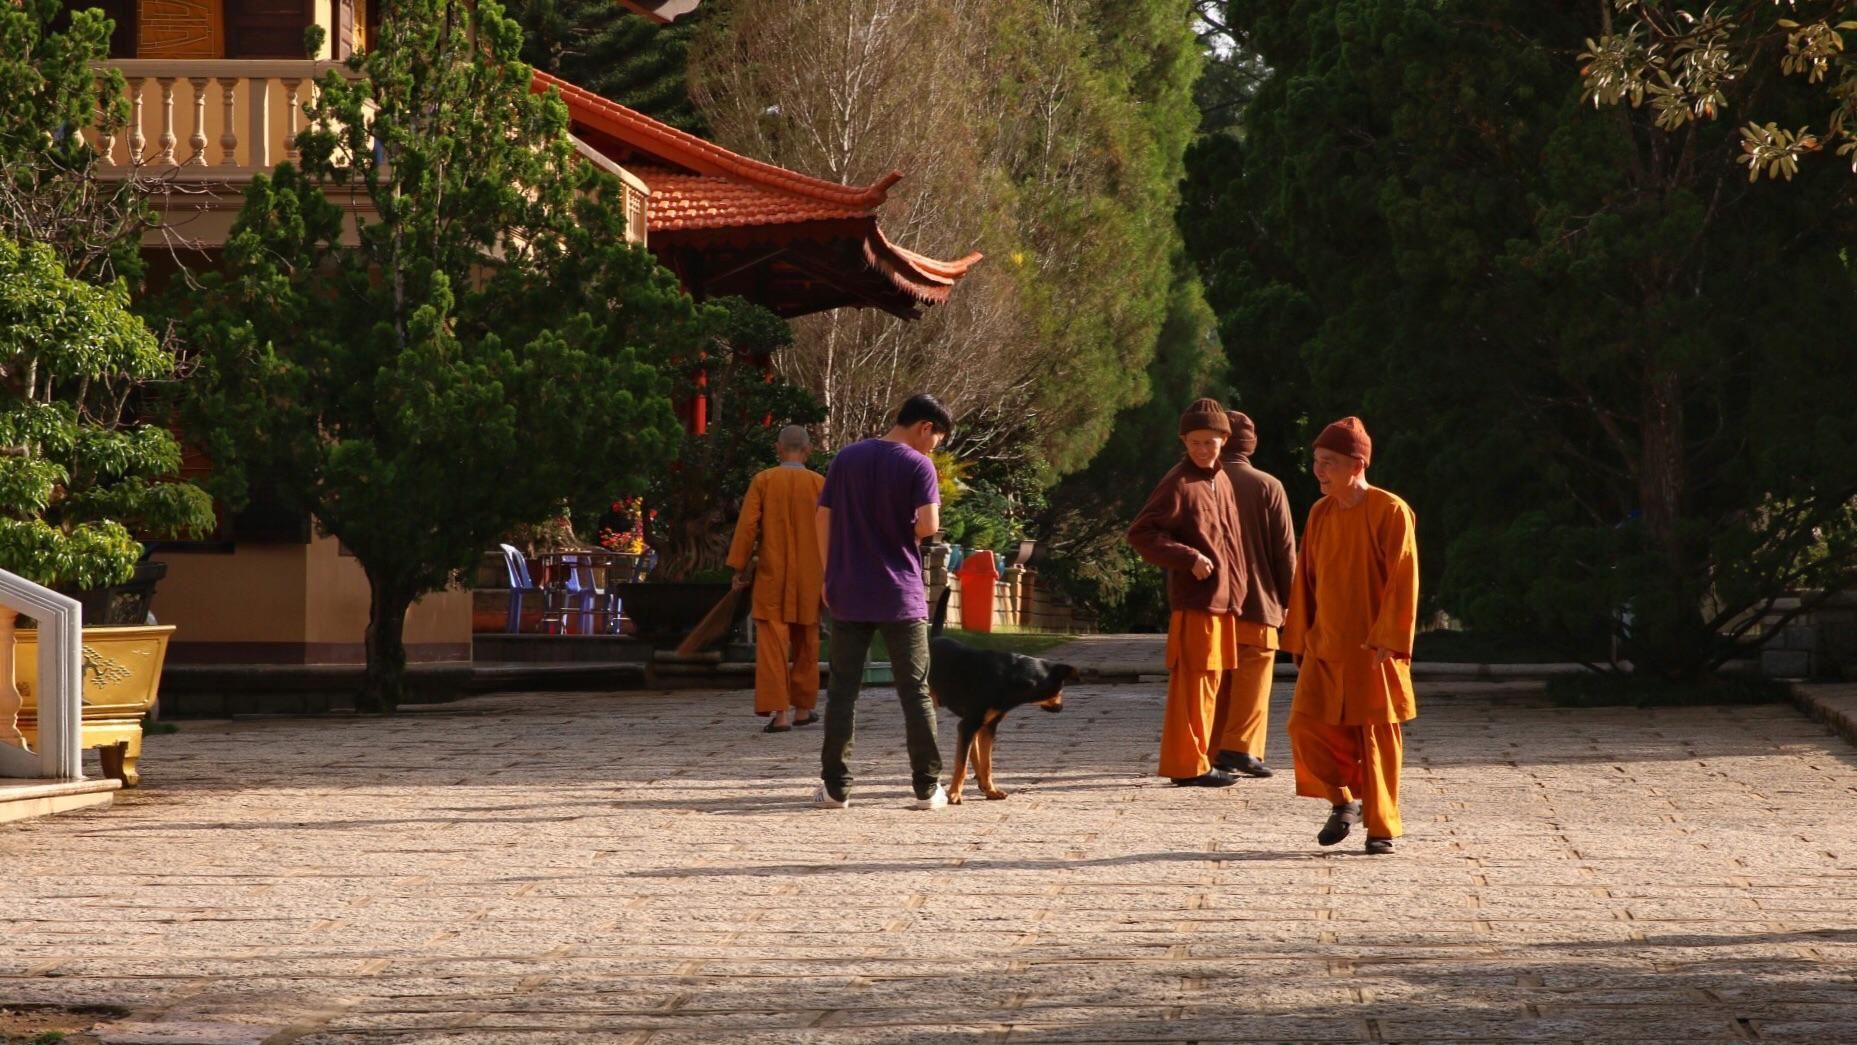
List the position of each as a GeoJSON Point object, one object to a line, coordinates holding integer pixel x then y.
{"type": "Point", "coordinates": [1821, 704]}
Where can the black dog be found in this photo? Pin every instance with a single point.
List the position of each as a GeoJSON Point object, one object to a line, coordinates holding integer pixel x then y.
{"type": "Point", "coordinates": [980, 686]}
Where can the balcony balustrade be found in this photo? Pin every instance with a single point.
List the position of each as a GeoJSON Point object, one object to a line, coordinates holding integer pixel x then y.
{"type": "Point", "coordinates": [199, 119]}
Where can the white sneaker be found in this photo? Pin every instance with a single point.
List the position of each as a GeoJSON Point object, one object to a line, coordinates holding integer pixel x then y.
{"type": "Point", "coordinates": [938, 800]}
{"type": "Point", "coordinates": [824, 800]}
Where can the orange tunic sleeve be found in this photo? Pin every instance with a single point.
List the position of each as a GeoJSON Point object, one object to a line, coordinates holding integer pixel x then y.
{"type": "Point", "coordinates": [748, 527]}
{"type": "Point", "coordinates": [1299, 616]}
{"type": "Point", "coordinates": [1397, 618]}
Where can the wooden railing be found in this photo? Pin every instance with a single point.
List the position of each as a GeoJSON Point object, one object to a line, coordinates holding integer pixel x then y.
{"type": "Point", "coordinates": [209, 118]}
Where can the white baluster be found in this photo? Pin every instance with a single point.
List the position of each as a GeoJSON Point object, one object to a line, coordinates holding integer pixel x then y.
{"type": "Point", "coordinates": [198, 138]}
{"type": "Point", "coordinates": [258, 137]}
{"type": "Point", "coordinates": [290, 124]}
{"type": "Point", "coordinates": [166, 158]}
{"type": "Point", "coordinates": [137, 141]}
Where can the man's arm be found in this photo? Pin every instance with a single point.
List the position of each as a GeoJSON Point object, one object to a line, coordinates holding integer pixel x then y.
{"type": "Point", "coordinates": [822, 526]}
{"type": "Point", "coordinates": [928, 520]}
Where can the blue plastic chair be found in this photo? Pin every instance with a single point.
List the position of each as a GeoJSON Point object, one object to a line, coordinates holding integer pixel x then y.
{"type": "Point", "coordinates": [519, 585]}
{"type": "Point", "coordinates": [585, 599]}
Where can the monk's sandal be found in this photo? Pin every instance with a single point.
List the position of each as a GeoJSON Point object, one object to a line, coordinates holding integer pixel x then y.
{"type": "Point", "coordinates": [1379, 846]}
{"type": "Point", "coordinates": [1340, 822]}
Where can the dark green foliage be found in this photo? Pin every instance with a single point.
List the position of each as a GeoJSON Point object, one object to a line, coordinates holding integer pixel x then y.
{"type": "Point", "coordinates": [79, 474]}
{"type": "Point", "coordinates": [599, 45]}
{"type": "Point", "coordinates": [1606, 373]}
{"type": "Point", "coordinates": [485, 350]}
{"type": "Point", "coordinates": [49, 89]}
{"type": "Point", "coordinates": [697, 489]}
{"type": "Point", "coordinates": [75, 479]}
{"type": "Point", "coordinates": [1610, 689]}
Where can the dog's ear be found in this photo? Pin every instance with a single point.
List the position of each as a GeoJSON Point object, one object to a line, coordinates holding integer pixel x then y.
{"type": "Point", "coordinates": [1066, 673]}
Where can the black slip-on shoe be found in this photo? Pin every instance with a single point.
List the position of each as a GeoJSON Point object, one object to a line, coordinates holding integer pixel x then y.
{"type": "Point", "coordinates": [1210, 778]}
{"type": "Point", "coordinates": [809, 720]}
{"type": "Point", "coordinates": [1242, 762]}
{"type": "Point", "coordinates": [1340, 821]}
{"type": "Point", "coordinates": [1379, 846]}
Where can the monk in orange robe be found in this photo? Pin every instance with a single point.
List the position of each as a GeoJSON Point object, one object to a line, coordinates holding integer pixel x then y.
{"type": "Point", "coordinates": [1352, 615]}
{"type": "Point", "coordinates": [778, 515]}
{"type": "Point", "coordinates": [1190, 527]}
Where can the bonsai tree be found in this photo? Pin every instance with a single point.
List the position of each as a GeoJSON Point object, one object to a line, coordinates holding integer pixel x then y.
{"type": "Point", "coordinates": [79, 476]}
{"type": "Point", "coordinates": [697, 491]}
{"type": "Point", "coordinates": [462, 344]}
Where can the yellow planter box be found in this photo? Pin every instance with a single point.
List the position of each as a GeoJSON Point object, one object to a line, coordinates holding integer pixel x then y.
{"type": "Point", "coordinates": [122, 678]}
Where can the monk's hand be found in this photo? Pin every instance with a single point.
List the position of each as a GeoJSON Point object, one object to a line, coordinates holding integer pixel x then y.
{"type": "Point", "coordinates": [1381, 654]}
{"type": "Point", "coordinates": [1202, 568]}
{"type": "Point", "coordinates": [740, 581]}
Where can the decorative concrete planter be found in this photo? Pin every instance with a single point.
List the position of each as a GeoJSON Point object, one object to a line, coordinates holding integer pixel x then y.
{"type": "Point", "coordinates": [122, 680]}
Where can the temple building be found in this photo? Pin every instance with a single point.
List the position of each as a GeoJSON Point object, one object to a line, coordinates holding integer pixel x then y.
{"type": "Point", "coordinates": [216, 90]}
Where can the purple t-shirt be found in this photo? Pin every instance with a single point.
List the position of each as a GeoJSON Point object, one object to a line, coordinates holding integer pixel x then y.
{"type": "Point", "coordinates": [873, 570]}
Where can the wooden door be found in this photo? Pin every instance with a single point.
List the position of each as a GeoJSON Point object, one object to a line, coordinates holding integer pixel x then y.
{"type": "Point", "coordinates": [266, 28]}
{"type": "Point", "coordinates": [344, 28]}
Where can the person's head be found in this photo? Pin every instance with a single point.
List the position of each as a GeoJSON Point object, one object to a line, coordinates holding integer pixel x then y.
{"type": "Point", "coordinates": [793, 443]}
{"type": "Point", "coordinates": [1204, 429]}
{"type": "Point", "coordinates": [1342, 453]}
{"type": "Point", "coordinates": [1244, 434]}
{"type": "Point", "coordinates": [922, 423]}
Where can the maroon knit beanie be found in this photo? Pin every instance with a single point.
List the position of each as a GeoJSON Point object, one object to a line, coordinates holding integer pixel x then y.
{"type": "Point", "coordinates": [1205, 415]}
{"type": "Point", "coordinates": [1349, 437]}
{"type": "Point", "coordinates": [1244, 433]}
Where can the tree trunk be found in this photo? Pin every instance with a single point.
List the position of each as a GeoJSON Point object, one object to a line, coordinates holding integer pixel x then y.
{"type": "Point", "coordinates": [1670, 636]}
{"type": "Point", "coordinates": [385, 682]}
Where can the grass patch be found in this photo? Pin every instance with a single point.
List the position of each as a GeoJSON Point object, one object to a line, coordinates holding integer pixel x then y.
{"type": "Point", "coordinates": [1596, 689]}
{"type": "Point", "coordinates": [1485, 647]}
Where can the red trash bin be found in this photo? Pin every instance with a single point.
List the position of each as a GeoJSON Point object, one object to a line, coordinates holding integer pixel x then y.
{"type": "Point", "coordinates": [979, 576]}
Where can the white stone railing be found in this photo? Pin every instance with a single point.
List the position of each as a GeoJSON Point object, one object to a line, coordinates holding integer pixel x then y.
{"type": "Point", "coordinates": [61, 682]}
{"type": "Point", "coordinates": [209, 119]}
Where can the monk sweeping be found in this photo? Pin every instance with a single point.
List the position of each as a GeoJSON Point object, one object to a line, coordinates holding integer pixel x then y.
{"type": "Point", "coordinates": [778, 515]}
{"type": "Point", "coordinates": [1243, 705]}
{"type": "Point", "coordinates": [1350, 625]}
{"type": "Point", "coordinates": [1190, 528]}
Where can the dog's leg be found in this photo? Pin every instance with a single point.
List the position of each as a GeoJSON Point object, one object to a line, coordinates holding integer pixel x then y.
{"type": "Point", "coordinates": [983, 759]}
{"type": "Point", "coordinates": [964, 741]}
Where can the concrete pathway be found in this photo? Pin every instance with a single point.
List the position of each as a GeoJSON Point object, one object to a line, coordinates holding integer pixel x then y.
{"type": "Point", "coordinates": [643, 867]}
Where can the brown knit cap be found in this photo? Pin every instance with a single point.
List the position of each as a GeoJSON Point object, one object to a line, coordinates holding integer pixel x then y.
{"type": "Point", "coordinates": [1244, 433]}
{"type": "Point", "coordinates": [1349, 437]}
{"type": "Point", "coordinates": [1205, 415]}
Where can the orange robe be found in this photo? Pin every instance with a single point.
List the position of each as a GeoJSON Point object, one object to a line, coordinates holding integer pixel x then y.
{"type": "Point", "coordinates": [1242, 718]}
{"type": "Point", "coordinates": [1200, 647]}
{"type": "Point", "coordinates": [778, 515]}
{"type": "Point", "coordinates": [1357, 585]}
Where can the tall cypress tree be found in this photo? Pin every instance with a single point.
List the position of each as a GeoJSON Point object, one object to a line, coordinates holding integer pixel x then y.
{"type": "Point", "coordinates": [598, 45]}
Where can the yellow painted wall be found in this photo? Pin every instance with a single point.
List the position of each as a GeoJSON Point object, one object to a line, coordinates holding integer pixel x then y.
{"type": "Point", "coordinates": [262, 600]}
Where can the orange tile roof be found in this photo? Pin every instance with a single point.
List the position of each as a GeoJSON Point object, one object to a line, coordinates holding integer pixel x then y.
{"type": "Point", "coordinates": [699, 188]}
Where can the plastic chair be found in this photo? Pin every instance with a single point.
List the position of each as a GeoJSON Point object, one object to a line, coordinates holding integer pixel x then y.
{"type": "Point", "coordinates": [582, 597]}
{"type": "Point", "coordinates": [519, 585]}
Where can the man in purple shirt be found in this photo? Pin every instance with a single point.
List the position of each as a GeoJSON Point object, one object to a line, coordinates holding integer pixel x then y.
{"type": "Point", "coordinates": [881, 497]}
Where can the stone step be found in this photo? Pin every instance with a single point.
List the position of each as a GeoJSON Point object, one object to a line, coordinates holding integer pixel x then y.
{"type": "Point", "coordinates": [20, 799]}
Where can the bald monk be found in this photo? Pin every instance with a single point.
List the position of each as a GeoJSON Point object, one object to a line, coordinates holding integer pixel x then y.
{"type": "Point", "coordinates": [1350, 625]}
{"type": "Point", "coordinates": [1243, 713]}
{"type": "Point", "coordinates": [1190, 528]}
{"type": "Point", "coordinates": [779, 515]}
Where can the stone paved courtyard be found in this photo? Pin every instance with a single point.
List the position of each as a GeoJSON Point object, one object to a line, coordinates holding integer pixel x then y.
{"type": "Point", "coordinates": [644, 867]}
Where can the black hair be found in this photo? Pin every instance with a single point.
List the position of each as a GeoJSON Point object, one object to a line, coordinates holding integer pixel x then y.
{"type": "Point", "coordinates": [924, 407]}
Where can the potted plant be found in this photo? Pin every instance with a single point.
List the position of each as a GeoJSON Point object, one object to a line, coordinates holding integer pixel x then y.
{"type": "Point", "coordinates": [695, 495]}
{"type": "Point", "coordinates": [79, 475]}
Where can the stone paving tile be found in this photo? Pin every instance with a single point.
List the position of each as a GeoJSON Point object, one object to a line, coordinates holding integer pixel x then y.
{"type": "Point", "coordinates": [644, 868]}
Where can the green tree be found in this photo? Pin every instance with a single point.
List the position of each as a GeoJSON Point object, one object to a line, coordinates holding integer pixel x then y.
{"type": "Point", "coordinates": [77, 474]}
{"type": "Point", "coordinates": [484, 349]}
{"type": "Point", "coordinates": [1604, 371]}
{"type": "Point", "coordinates": [50, 87]}
{"type": "Point", "coordinates": [599, 45]}
{"type": "Point", "coordinates": [80, 472]}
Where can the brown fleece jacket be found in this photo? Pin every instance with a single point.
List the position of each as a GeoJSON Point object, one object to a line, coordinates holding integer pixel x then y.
{"type": "Point", "coordinates": [1193, 511]}
{"type": "Point", "coordinates": [1269, 540]}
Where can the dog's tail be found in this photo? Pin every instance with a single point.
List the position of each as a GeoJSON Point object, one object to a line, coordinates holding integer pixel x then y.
{"type": "Point", "coordinates": [939, 618]}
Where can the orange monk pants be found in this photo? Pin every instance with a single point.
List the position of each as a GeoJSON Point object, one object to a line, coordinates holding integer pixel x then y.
{"type": "Point", "coordinates": [1186, 725]}
{"type": "Point", "coordinates": [786, 666]}
{"type": "Point", "coordinates": [1243, 705]}
{"type": "Point", "coordinates": [1343, 763]}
